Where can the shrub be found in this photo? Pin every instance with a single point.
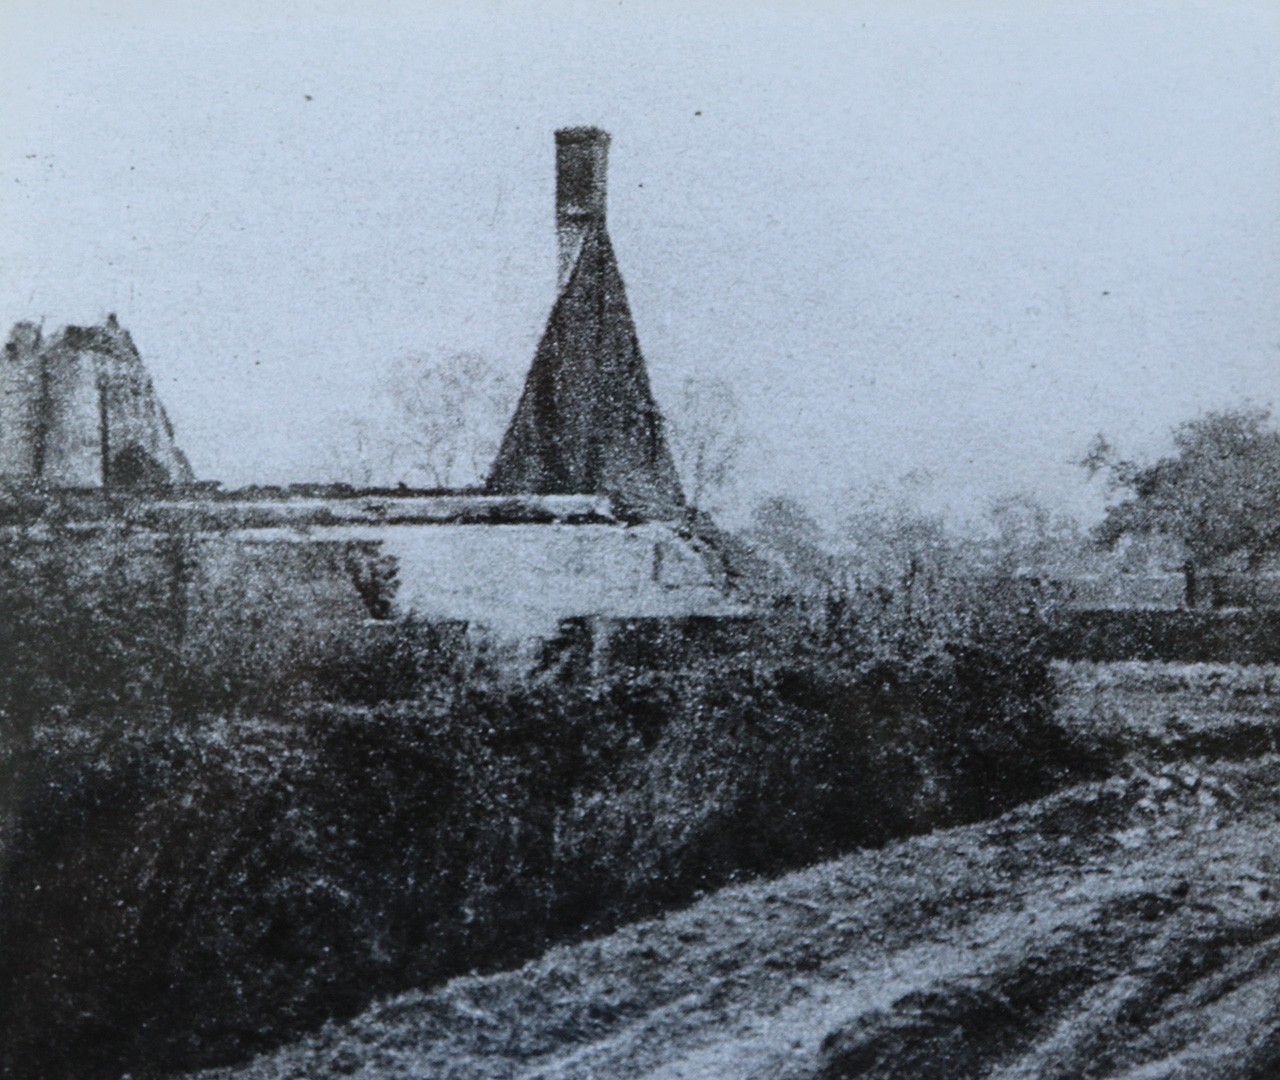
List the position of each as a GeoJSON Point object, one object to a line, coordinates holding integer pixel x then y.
{"type": "Point", "coordinates": [88, 623]}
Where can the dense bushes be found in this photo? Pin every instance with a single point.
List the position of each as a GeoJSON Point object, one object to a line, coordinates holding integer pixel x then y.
{"type": "Point", "coordinates": [1187, 637]}
{"type": "Point", "coordinates": [108, 617]}
{"type": "Point", "coordinates": [87, 623]}
{"type": "Point", "coordinates": [183, 886]}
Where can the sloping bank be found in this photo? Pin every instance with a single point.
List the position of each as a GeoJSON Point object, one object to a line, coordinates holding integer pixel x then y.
{"type": "Point", "coordinates": [1125, 928]}
{"type": "Point", "coordinates": [188, 890]}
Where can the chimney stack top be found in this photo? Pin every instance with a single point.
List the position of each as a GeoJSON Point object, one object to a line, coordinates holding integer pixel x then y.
{"type": "Point", "coordinates": [582, 158]}
{"type": "Point", "coordinates": [581, 134]}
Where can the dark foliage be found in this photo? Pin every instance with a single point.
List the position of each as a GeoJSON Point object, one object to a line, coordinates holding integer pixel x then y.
{"type": "Point", "coordinates": [1188, 637]}
{"type": "Point", "coordinates": [90, 632]}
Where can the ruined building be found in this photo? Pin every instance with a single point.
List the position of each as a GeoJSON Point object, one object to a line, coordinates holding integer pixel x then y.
{"type": "Point", "coordinates": [582, 521]}
{"type": "Point", "coordinates": [78, 410]}
{"type": "Point", "coordinates": [587, 422]}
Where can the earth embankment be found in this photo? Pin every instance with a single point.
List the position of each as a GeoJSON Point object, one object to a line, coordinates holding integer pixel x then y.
{"type": "Point", "coordinates": [1127, 927]}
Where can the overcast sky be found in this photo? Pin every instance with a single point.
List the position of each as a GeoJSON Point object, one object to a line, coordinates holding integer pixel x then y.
{"type": "Point", "coordinates": [952, 237]}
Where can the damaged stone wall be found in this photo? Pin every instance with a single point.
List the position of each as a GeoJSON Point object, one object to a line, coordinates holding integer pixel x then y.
{"type": "Point", "coordinates": [79, 410]}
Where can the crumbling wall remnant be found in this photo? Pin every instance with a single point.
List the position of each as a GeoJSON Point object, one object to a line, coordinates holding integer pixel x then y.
{"type": "Point", "coordinates": [78, 410]}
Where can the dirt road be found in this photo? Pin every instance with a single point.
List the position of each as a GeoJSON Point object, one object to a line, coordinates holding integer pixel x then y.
{"type": "Point", "coordinates": [1123, 928]}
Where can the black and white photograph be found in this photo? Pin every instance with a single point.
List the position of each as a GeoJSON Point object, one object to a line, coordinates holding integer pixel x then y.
{"type": "Point", "coordinates": [640, 540]}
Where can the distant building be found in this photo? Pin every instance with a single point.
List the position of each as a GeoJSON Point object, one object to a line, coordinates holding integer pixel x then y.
{"type": "Point", "coordinates": [78, 410]}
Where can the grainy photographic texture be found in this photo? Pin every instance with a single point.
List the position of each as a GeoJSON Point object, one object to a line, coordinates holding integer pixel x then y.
{"type": "Point", "coordinates": [650, 540]}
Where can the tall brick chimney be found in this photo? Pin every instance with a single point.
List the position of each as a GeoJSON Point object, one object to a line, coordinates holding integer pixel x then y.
{"type": "Point", "coordinates": [587, 423]}
{"type": "Point", "coordinates": [582, 158]}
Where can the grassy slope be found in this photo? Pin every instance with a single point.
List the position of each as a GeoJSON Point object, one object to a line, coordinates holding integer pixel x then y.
{"type": "Point", "coordinates": [186, 892]}
{"type": "Point", "coordinates": [1128, 927]}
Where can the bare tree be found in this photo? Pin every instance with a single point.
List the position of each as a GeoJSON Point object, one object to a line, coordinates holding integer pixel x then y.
{"type": "Point", "coordinates": [1031, 539]}
{"type": "Point", "coordinates": [706, 437]}
{"type": "Point", "coordinates": [358, 449]}
{"type": "Point", "coordinates": [447, 417]}
{"type": "Point", "coordinates": [896, 549]}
